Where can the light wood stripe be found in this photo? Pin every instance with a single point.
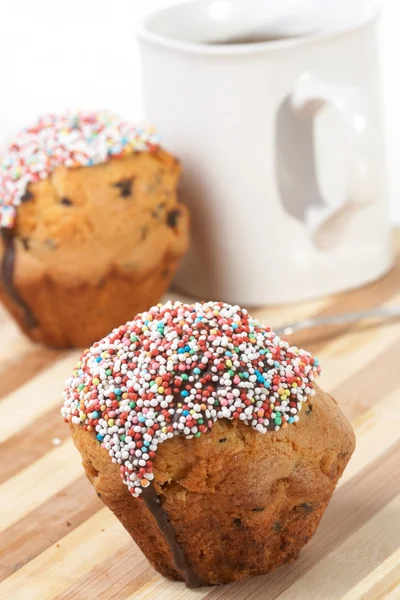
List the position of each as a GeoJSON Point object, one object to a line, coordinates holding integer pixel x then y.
{"type": "Point", "coordinates": [129, 580]}
{"type": "Point", "coordinates": [375, 380]}
{"type": "Point", "coordinates": [40, 434]}
{"type": "Point", "coordinates": [356, 349]}
{"type": "Point", "coordinates": [375, 434]}
{"type": "Point", "coordinates": [360, 379]}
{"type": "Point", "coordinates": [38, 483]}
{"type": "Point", "coordinates": [20, 358]}
{"type": "Point", "coordinates": [25, 366]}
{"type": "Point", "coordinates": [48, 523]}
{"type": "Point", "coordinates": [380, 583]}
{"type": "Point", "coordinates": [355, 558]}
{"type": "Point", "coordinates": [168, 590]}
{"type": "Point", "coordinates": [388, 588]}
{"type": "Point", "coordinates": [35, 398]}
{"type": "Point", "coordinates": [13, 343]}
{"type": "Point", "coordinates": [96, 540]}
{"type": "Point", "coordinates": [393, 594]}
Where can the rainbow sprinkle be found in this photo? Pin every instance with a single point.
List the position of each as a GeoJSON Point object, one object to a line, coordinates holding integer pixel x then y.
{"type": "Point", "coordinates": [71, 140]}
{"type": "Point", "coordinates": [177, 369]}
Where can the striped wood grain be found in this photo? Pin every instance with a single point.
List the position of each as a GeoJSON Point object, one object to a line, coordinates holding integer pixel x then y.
{"type": "Point", "coordinates": [57, 541]}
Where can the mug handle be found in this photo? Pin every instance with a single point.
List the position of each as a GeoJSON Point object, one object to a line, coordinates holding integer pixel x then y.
{"type": "Point", "coordinates": [323, 221]}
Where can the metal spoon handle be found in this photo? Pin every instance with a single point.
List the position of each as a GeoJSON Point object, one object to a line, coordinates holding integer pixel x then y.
{"type": "Point", "coordinates": [351, 317]}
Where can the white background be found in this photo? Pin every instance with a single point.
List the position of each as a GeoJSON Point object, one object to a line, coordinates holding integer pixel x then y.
{"type": "Point", "coordinates": [57, 55]}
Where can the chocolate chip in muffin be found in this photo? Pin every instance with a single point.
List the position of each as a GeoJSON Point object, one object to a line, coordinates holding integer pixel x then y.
{"type": "Point", "coordinates": [237, 522]}
{"type": "Point", "coordinates": [25, 242]}
{"type": "Point", "coordinates": [283, 545]}
{"type": "Point", "coordinates": [258, 509]}
{"type": "Point", "coordinates": [66, 201]}
{"type": "Point", "coordinates": [157, 213]}
{"type": "Point", "coordinates": [222, 440]}
{"type": "Point", "coordinates": [173, 217]}
{"type": "Point", "coordinates": [125, 187]}
{"type": "Point", "coordinates": [143, 233]}
{"type": "Point", "coordinates": [277, 526]}
{"type": "Point", "coordinates": [51, 244]}
{"type": "Point", "coordinates": [304, 508]}
{"type": "Point", "coordinates": [27, 196]}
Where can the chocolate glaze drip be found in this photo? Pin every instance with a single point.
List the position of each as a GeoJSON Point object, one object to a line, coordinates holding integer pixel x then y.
{"type": "Point", "coordinates": [7, 275]}
{"type": "Point", "coordinates": [154, 504]}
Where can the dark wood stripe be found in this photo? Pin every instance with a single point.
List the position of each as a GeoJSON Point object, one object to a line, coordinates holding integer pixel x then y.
{"type": "Point", "coordinates": [368, 385]}
{"type": "Point", "coordinates": [353, 505]}
{"type": "Point", "coordinates": [353, 570]}
{"type": "Point", "coordinates": [45, 525]}
{"type": "Point", "coordinates": [363, 298]}
{"type": "Point", "coordinates": [31, 443]}
{"type": "Point", "coordinates": [24, 367]}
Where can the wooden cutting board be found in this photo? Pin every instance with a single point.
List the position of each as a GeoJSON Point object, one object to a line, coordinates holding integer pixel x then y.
{"type": "Point", "coordinates": [57, 540]}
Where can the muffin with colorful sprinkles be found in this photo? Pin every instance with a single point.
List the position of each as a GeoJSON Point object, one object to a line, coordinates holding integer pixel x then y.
{"type": "Point", "coordinates": [90, 225]}
{"type": "Point", "coordinates": [206, 435]}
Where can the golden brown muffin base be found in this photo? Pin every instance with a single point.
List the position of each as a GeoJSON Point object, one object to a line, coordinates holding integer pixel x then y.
{"type": "Point", "coordinates": [241, 503]}
{"type": "Point", "coordinates": [78, 315]}
{"type": "Point", "coordinates": [89, 256]}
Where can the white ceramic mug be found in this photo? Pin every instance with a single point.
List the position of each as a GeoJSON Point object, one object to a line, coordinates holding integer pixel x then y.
{"type": "Point", "coordinates": [288, 200]}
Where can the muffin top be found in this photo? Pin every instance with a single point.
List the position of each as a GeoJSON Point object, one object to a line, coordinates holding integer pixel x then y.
{"type": "Point", "coordinates": [177, 369]}
{"type": "Point", "coordinates": [70, 140]}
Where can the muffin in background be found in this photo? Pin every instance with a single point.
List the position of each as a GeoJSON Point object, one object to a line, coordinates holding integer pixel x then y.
{"type": "Point", "coordinates": [208, 438]}
{"type": "Point", "coordinates": [91, 227]}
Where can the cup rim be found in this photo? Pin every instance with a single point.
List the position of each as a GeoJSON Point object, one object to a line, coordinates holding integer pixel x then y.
{"type": "Point", "coordinates": [144, 34]}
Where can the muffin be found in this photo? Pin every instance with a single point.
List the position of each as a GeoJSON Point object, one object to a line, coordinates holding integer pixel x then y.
{"type": "Point", "coordinates": [207, 437]}
{"type": "Point", "coordinates": [91, 227]}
